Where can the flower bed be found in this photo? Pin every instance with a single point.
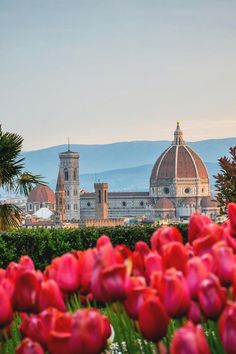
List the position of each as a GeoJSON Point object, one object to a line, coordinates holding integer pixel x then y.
{"type": "Point", "coordinates": [170, 297]}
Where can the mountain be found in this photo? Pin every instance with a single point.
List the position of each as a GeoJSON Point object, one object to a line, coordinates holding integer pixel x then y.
{"type": "Point", "coordinates": [128, 179]}
{"type": "Point", "coordinates": [117, 157]}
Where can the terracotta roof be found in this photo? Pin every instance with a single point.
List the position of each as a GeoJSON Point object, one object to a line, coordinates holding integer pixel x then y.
{"type": "Point", "coordinates": [208, 202]}
{"type": "Point", "coordinates": [164, 203]}
{"type": "Point", "coordinates": [179, 161]}
{"type": "Point", "coordinates": [41, 194]}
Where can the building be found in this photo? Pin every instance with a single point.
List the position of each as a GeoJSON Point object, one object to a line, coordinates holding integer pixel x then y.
{"type": "Point", "coordinates": [40, 196]}
{"type": "Point", "coordinates": [179, 186]}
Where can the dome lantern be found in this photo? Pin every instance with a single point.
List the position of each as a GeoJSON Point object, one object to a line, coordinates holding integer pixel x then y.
{"type": "Point", "coordinates": [178, 136]}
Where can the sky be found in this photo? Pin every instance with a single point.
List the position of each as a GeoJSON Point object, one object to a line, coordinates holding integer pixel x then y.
{"type": "Point", "coordinates": [102, 71]}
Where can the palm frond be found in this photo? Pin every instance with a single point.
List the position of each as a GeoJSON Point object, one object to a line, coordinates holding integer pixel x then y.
{"type": "Point", "coordinates": [26, 182]}
{"type": "Point", "coordinates": [10, 216]}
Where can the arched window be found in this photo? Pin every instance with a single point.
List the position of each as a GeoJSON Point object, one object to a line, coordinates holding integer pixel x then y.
{"type": "Point", "coordinates": [105, 196]}
{"type": "Point", "coordinates": [99, 196]}
{"type": "Point", "coordinates": [66, 174]}
{"type": "Point", "coordinates": [67, 192]}
{"type": "Point", "coordinates": [75, 174]}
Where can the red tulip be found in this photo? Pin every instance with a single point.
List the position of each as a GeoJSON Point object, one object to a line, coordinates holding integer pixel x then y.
{"type": "Point", "coordinates": [153, 319]}
{"type": "Point", "coordinates": [211, 297]}
{"type": "Point", "coordinates": [50, 295]}
{"type": "Point", "coordinates": [196, 225]}
{"type": "Point", "coordinates": [165, 235]}
{"type": "Point", "coordinates": [204, 244]}
{"type": "Point", "coordinates": [102, 241]}
{"type": "Point", "coordinates": [224, 263]}
{"type": "Point", "coordinates": [152, 262]}
{"type": "Point", "coordinates": [27, 263]}
{"type": "Point", "coordinates": [196, 272]}
{"type": "Point", "coordinates": [189, 339]}
{"type": "Point", "coordinates": [26, 290]}
{"type": "Point", "coordinates": [86, 264]}
{"type": "Point", "coordinates": [6, 313]}
{"type": "Point", "coordinates": [27, 346]}
{"type": "Point", "coordinates": [174, 293]}
{"type": "Point", "coordinates": [38, 327]}
{"type": "Point", "coordinates": [194, 313]}
{"type": "Point", "coordinates": [88, 333]}
{"type": "Point", "coordinates": [141, 250]}
{"type": "Point", "coordinates": [231, 208]}
{"type": "Point", "coordinates": [174, 255]}
{"type": "Point", "coordinates": [137, 293]}
{"type": "Point", "coordinates": [227, 328]}
{"type": "Point", "coordinates": [65, 271]}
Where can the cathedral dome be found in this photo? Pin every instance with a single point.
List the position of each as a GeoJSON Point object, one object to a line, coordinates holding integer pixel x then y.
{"type": "Point", "coordinates": [179, 164]}
{"type": "Point", "coordinates": [41, 194]}
{"type": "Point", "coordinates": [164, 203]}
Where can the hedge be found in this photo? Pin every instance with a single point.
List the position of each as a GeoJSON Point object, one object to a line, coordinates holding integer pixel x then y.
{"type": "Point", "coordinates": [42, 245]}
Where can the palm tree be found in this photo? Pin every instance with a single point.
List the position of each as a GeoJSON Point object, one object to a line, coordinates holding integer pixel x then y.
{"type": "Point", "coordinates": [13, 178]}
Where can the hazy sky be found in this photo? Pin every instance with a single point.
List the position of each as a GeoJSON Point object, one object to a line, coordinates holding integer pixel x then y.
{"type": "Point", "coordinates": [103, 71]}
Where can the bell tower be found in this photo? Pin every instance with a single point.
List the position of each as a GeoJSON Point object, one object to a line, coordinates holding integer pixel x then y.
{"type": "Point", "coordinates": [69, 174]}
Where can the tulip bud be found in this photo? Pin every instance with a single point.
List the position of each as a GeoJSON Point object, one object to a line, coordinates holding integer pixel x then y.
{"type": "Point", "coordinates": [174, 293]}
{"type": "Point", "coordinates": [189, 339]}
{"type": "Point", "coordinates": [211, 297]}
{"type": "Point", "coordinates": [153, 319]}
{"type": "Point", "coordinates": [196, 272]}
{"type": "Point", "coordinates": [196, 225]}
{"type": "Point", "coordinates": [163, 236]}
{"type": "Point", "coordinates": [227, 328]}
{"type": "Point", "coordinates": [174, 255]}
{"type": "Point", "coordinates": [6, 313]}
{"type": "Point", "coordinates": [27, 346]}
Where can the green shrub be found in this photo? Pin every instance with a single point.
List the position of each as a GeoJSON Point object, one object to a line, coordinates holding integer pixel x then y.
{"type": "Point", "coordinates": [42, 245]}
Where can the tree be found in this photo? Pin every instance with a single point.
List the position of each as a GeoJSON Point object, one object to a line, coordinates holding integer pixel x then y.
{"type": "Point", "coordinates": [226, 180]}
{"type": "Point", "coordinates": [13, 178]}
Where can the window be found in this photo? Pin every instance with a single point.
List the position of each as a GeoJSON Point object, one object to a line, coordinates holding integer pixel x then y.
{"type": "Point", "coordinates": [88, 204]}
{"type": "Point", "coordinates": [75, 206]}
{"type": "Point", "coordinates": [124, 204]}
{"type": "Point", "coordinates": [67, 192]}
{"type": "Point", "coordinates": [30, 206]}
{"type": "Point", "coordinates": [75, 192]}
{"type": "Point", "coordinates": [141, 203]}
{"type": "Point", "coordinates": [166, 190]}
{"type": "Point", "coordinates": [187, 190]}
{"type": "Point", "coordinates": [66, 174]}
{"type": "Point", "coordinates": [99, 196]}
{"type": "Point", "coordinates": [68, 206]}
{"type": "Point", "coordinates": [75, 174]}
{"type": "Point", "coordinates": [105, 196]}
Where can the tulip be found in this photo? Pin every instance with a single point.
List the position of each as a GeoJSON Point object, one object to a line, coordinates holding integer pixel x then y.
{"type": "Point", "coordinates": [224, 262]}
{"type": "Point", "coordinates": [102, 241]}
{"type": "Point", "coordinates": [196, 272]}
{"type": "Point", "coordinates": [189, 339]}
{"type": "Point", "coordinates": [152, 262]}
{"type": "Point", "coordinates": [153, 319]}
{"type": "Point", "coordinates": [194, 313]}
{"type": "Point", "coordinates": [204, 244]}
{"type": "Point", "coordinates": [227, 328]}
{"type": "Point", "coordinates": [65, 271]}
{"type": "Point", "coordinates": [27, 346]}
{"type": "Point", "coordinates": [26, 290]}
{"type": "Point", "coordinates": [174, 255]}
{"type": "Point", "coordinates": [38, 327]}
{"type": "Point", "coordinates": [26, 263]}
{"type": "Point", "coordinates": [137, 293]}
{"type": "Point", "coordinates": [174, 293]}
{"type": "Point", "coordinates": [86, 264]}
{"type": "Point", "coordinates": [6, 313]}
{"type": "Point", "coordinates": [231, 209]}
{"type": "Point", "coordinates": [211, 297]}
{"type": "Point", "coordinates": [196, 225]}
{"type": "Point", "coordinates": [88, 333]}
{"type": "Point", "coordinates": [163, 236]}
{"type": "Point", "coordinates": [50, 295]}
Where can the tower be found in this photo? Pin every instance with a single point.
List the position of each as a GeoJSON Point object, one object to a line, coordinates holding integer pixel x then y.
{"type": "Point", "coordinates": [60, 197]}
{"type": "Point", "coordinates": [69, 172]}
{"type": "Point", "coordinates": [101, 200]}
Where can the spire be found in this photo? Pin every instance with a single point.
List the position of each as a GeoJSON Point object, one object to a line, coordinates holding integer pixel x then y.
{"type": "Point", "coordinates": [68, 144]}
{"type": "Point", "coordinates": [178, 136]}
{"type": "Point", "coordinates": [60, 181]}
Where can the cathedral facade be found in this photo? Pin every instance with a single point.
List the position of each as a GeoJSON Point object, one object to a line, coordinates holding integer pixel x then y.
{"type": "Point", "coordinates": [179, 186]}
